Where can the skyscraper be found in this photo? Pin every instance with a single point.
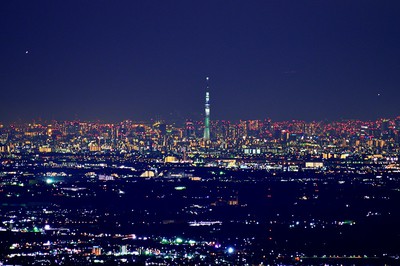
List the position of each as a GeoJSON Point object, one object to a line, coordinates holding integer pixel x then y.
{"type": "Point", "coordinates": [207, 115]}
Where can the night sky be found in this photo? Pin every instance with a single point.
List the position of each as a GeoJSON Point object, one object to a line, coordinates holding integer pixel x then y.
{"type": "Point", "coordinates": [116, 60]}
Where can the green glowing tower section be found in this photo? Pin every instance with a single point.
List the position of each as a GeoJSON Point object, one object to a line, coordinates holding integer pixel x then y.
{"type": "Point", "coordinates": [207, 116]}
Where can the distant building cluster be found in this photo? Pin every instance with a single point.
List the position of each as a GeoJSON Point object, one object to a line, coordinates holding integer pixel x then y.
{"type": "Point", "coordinates": [196, 141]}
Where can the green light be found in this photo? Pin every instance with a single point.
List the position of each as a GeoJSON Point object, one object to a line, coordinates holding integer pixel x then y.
{"type": "Point", "coordinates": [180, 188]}
{"type": "Point", "coordinates": [178, 240]}
{"type": "Point", "coordinates": [49, 181]}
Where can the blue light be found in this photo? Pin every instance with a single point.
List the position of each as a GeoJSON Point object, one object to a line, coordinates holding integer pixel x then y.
{"type": "Point", "coordinates": [231, 250]}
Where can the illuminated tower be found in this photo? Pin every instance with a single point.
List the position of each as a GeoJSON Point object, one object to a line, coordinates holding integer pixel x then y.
{"type": "Point", "coordinates": [207, 116]}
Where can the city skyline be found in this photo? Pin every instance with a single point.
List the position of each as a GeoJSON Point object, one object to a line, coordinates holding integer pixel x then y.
{"type": "Point", "coordinates": [284, 60]}
{"type": "Point", "coordinates": [183, 120]}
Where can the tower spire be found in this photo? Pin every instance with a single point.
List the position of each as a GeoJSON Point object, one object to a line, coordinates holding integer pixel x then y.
{"type": "Point", "coordinates": [207, 114]}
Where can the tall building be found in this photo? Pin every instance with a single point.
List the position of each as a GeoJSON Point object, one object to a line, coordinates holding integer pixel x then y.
{"type": "Point", "coordinates": [189, 129]}
{"type": "Point", "coordinates": [207, 116]}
